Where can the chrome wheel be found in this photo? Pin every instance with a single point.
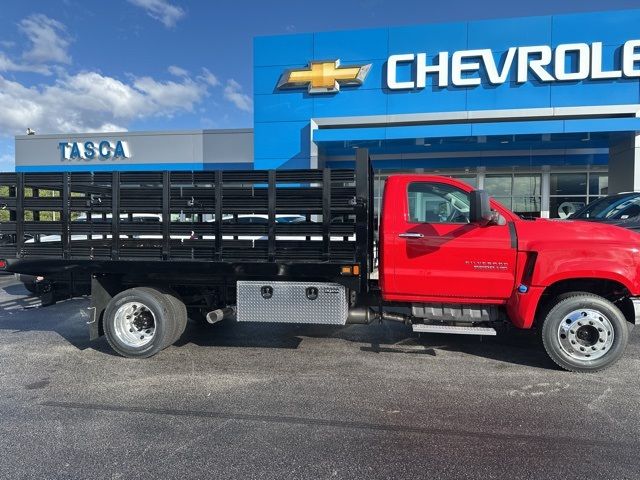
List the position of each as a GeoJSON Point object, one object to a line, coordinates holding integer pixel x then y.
{"type": "Point", "coordinates": [134, 324]}
{"type": "Point", "coordinates": [585, 334]}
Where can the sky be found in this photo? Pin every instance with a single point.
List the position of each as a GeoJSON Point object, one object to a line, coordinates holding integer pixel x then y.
{"type": "Point", "coordinates": [70, 66]}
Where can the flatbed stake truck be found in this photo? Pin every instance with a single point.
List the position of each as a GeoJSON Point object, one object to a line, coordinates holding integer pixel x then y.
{"type": "Point", "coordinates": [153, 248]}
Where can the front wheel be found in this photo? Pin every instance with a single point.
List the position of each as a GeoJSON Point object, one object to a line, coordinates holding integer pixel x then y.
{"type": "Point", "coordinates": [584, 332]}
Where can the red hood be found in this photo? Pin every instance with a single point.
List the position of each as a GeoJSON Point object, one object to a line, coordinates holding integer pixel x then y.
{"type": "Point", "coordinates": [575, 233]}
{"type": "Point", "coordinates": [568, 249]}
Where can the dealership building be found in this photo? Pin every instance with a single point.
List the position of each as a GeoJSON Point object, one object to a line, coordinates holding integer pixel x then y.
{"type": "Point", "coordinates": [542, 112]}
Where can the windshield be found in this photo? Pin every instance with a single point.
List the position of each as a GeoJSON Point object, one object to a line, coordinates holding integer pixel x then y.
{"type": "Point", "coordinates": [617, 207]}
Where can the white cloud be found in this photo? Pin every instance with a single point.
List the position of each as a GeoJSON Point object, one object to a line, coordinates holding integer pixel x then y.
{"type": "Point", "coordinates": [209, 78]}
{"type": "Point", "coordinates": [161, 10]}
{"type": "Point", "coordinates": [49, 40]}
{"type": "Point", "coordinates": [8, 65]}
{"type": "Point", "coordinates": [177, 71]}
{"type": "Point", "coordinates": [171, 95]}
{"type": "Point", "coordinates": [47, 44]}
{"type": "Point", "coordinates": [90, 101]}
{"type": "Point", "coordinates": [233, 93]}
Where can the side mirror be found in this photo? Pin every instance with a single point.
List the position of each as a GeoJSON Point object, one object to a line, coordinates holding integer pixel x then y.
{"type": "Point", "coordinates": [480, 210]}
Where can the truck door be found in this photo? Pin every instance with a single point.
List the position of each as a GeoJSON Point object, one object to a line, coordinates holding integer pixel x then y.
{"type": "Point", "coordinates": [440, 256]}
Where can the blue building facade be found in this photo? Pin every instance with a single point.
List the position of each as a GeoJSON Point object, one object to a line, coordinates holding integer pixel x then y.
{"type": "Point", "coordinates": [540, 111]}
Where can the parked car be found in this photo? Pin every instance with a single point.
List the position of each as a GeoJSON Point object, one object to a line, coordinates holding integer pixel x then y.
{"type": "Point", "coordinates": [622, 210]}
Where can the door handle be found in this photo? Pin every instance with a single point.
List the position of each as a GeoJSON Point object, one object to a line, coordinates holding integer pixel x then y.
{"type": "Point", "coordinates": [411, 235]}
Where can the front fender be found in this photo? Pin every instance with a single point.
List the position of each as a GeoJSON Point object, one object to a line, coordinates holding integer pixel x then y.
{"type": "Point", "coordinates": [591, 274]}
{"type": "Point", "coordinates": [521, 307]}
{"type": "Point", "coordinates": [615, 264]}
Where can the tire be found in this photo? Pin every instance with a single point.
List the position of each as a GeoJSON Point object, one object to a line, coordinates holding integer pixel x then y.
{"type": "Point", "coordinates": [179, 312]}
{"type": "Point", "coordinates": [30, 287]}
{"type": "Point", "coordinates": [583, 332]}
{"type": "Point", "coordinates": [153, 329]}
{"type": "Point", "coordinates": [29, 282]}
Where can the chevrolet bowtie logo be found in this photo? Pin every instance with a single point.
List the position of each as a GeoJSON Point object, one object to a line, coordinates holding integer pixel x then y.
{"type": "Point", "coordinates": [324, 77]}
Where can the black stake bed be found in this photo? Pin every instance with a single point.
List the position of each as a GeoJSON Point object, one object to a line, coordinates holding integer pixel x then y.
{"type": "Point", "coordinates": [236, 224]}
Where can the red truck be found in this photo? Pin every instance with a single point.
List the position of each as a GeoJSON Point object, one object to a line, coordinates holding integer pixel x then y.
{"type": "Point", "coordinates": [447, 258]}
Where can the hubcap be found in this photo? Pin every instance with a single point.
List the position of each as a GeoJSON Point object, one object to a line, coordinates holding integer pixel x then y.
{"type": "Point", "coordinates": [585, 334]}
{"type": "Point", "coordinates": [134, 324]}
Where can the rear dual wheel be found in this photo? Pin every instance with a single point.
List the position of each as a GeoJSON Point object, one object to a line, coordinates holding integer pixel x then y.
{"type": "Point", "coordinates": [141, 321]}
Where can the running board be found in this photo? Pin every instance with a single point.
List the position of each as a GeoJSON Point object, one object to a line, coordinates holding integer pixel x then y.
{"type": "Point", "coordinates": [422, 328]}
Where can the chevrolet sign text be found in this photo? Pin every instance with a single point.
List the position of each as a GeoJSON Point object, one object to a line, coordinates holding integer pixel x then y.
{"type": "Point", "coordinates": [566, 62]}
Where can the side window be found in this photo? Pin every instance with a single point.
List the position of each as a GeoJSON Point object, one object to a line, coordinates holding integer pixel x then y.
{"type": "Point", "coordinates": [437, 203]}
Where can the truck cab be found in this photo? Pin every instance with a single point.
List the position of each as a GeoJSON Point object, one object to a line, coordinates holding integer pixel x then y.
{"type": "Point", "coordinates": [460, 259]}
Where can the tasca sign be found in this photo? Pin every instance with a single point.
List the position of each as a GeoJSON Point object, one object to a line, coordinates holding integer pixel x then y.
{"type": "Point", "coordinates": [98, 150]}
{"type": "Point", "coordinates": [565, 63]}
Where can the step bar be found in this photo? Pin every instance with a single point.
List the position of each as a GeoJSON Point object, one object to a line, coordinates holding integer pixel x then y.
{"type": "Point", "coordinates": [422, 328]}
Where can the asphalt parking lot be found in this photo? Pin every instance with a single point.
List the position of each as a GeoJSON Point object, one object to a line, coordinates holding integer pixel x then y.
{"type": "Point", "coordinates": [287, 402]}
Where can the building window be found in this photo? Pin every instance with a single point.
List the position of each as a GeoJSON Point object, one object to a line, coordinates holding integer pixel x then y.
{"type": "Point", "coordinates": [520, 193]}
{"type": "Point", "coordinates": [571, 191]}
{"type": "Point", "coordinates": [468, 179]}
{"type": "Point", "coordinates": [598, 185]}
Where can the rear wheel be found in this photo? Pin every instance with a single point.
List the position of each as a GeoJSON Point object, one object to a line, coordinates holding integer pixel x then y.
{"type": "Point", "coordinates": [30, 286]}
{"type": "Point", "coordinates": [138, 322]}
{"type": "Point", "coordinates": [178, 312]}
{"type": "Point", "coordinates": [29, 283]}
{"type": "Point", "coordinates": [584, 333]}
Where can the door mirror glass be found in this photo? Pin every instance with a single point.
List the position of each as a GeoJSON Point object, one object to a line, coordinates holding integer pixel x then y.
{"type": "Point", "coordinates": [480, 209]}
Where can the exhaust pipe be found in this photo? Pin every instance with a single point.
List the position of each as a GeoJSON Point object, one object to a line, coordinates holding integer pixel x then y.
{"type": "Point", "coordinates": [365, 316]}
{"type": "Point", "coordinates": [361, 316]}
{"type": "Point", "coordinates": [220, 314]}
{"type": "Point", "coordinates": [397, 317]}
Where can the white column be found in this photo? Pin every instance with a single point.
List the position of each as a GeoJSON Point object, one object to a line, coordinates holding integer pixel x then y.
{"type": "Point", "coordinates": [545, 191]}
{"type": "Point", "coordinates": [313, 148]}
{"type": "Point", "coordinates": [481, 174]}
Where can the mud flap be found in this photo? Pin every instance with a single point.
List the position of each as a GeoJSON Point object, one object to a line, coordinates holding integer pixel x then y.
{"type": "Point", "coordinates": [103, 289]}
